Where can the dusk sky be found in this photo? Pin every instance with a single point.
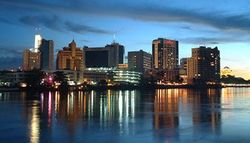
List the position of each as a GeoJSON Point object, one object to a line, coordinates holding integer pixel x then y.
{"type": "Point", "coordinates": [221, 23]}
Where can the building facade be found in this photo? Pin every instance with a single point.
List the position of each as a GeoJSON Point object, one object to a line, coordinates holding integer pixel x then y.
{"type": "Point", "coordinates": [108, 56]}
{"type": "Point", "coordinates": [116, 54]}
{"type": "Point", "coordinates": [32, 57]}
{"type": "Point", "coordinates": [165, 54]}
{"type": "Point", "coordinates": [166, 58]}
{"type": "Point", "coordinates": [70, 58]}
{"type": "Point", "coordinates": [47, 54]}
{"type": "Point", "coordinates": [31, 60]}
{"type": "Point", "coordinates": [112, 76]}
{"type": "Point", "coordinates": [183, 66]}
{"type": "Point", "coordinates": [37, 43]}
{"type": "Point", "coordinates": [96, 57]}
{"type": "Point", "coordinates": [204, 65]}
{"type": "Point", "coordinates": [139, 61]}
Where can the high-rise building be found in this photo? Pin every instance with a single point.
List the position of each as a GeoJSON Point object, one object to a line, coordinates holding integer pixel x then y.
{"type": "Point", "coordinates": [70, 58]}
{"type": "Point", "coordinates": [204, 65]}
{"type": "Point", "coordinates": [31, 60]}
{"type": "Point", "coordinates": [47, 54]}
{"type": "Point", "coordinates": [139, 61]}
{"type": "Point", "coordinates": [165, 54]}
{"type": "Point", "coordinates": [165, 58]}
{"type": "Point", "coordinates": [116, 54]}
{"type": "Point", "coordinates": [31, 57]}
{"type": "Point", "coordinates": [108, 56]}
{"type": "Point", "coordinates": [38, 42]}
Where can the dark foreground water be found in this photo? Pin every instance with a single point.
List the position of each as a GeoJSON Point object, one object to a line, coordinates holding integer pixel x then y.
{"type": "Point", "coordinates": [173, 115]}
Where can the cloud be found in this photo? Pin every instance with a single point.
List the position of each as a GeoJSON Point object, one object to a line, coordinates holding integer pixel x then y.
{"type": "Point", "coordinates": [143, 11]}
{"type": "Point", "coordinates": [212, 40]}
{"type": "Point", "coordinates": [81, 29]}
{"type": "Point", "coordinates": [10, 57]}
{"type": "Point", "coordinates": [5, 20]}
{"type": "Point", "coordinates": [202, 40]}
{"type": "Point", "coordinates": [10, 51]}
{"type": "Point", "coordinates": [12, 62]}
{"type": "Point", "coordinates": [57, 24]}
{"type": "Point", "coordinates": [50, 22]}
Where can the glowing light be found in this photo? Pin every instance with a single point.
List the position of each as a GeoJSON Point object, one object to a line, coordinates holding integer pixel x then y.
{"type": "Point", "coordinates": [71, 82]}
{"type": "Point", "coordinates": [23, 84]}
{"type": "Point", "coordinates": [38, 42]}
{"type": "Point", "coordinates": [49, 109]}
{"type": "Point", "coordinates": [50, 78]}
{"type": "Point", "coordinates": [34, 125]}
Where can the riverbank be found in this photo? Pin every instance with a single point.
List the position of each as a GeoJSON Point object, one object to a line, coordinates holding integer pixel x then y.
{"type": "Point", "coordinates": [114, 87]}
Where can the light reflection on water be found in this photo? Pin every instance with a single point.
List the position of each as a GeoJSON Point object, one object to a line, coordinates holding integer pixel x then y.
{"type": "Point", "coordinates": [165, 115]}
{"type": "Point", "coordinates": [34, 124]}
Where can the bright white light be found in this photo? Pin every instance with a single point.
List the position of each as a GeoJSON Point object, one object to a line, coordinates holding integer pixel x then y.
{"type": "Point", "coordinates": [38, 42]}
{"type": "Point", "coordinates": [23, 84]}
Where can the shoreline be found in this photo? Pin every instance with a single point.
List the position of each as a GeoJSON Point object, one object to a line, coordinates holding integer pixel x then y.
{"type": "Point", "coordinates": [121, 87]}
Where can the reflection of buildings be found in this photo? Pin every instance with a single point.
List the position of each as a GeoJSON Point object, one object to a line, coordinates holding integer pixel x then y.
{"type": "Point", "coordinates": [34, 125]}
{"type": "Point", "coordinates": [166, 109]}
{"type": "Point", "coordinates": [176, 109]}
{"type": "Point", "coordinates": [206, 106]}
{"type": "Point", "coordinates": [168, 104]}
{"type": "Point", "coordinates": [73, 108]}
{"type": "Point", "coordinates": [25, 117]}
{"type": "Point", "coordinates": [117, 104]}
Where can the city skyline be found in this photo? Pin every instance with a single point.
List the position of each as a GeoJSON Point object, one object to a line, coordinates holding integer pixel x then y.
{"type": "Point", "coordinates": [134, 24]}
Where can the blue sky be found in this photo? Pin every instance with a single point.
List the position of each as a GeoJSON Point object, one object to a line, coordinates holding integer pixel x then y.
{"type": "Point", "coordinates": [221, 23]}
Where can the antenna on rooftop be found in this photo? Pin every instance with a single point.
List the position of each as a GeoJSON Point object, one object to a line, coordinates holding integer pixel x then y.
{"type": "Point", "coordinates": [114, 37]}
{"type": "Point", "coordinates": [38, 29]}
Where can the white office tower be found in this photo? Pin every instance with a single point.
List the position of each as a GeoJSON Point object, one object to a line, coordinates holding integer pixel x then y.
{"type": "Point", "coordinates": [38, 42]}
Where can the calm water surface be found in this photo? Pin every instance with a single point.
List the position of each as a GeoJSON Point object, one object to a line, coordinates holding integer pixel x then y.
{"type": "Point", "coordinates": [113, 116]}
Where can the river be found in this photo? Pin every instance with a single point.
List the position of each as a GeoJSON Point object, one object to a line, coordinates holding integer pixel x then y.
{"type": "Point", "coordinates": [120, 116]}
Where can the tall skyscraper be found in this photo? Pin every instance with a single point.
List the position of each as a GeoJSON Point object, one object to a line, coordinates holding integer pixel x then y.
{"type": "Point", "coordinates": [108, 56]}
{"type": "Point", "coordinates": [32, 57]}
{"type": "Point", "coordinates": [165, 54]}
{"type": "Point", "coordinates": [38, 42]}
{"type": "Point", "coordinates": [116, 54]}
{"type": "Point", "coordinates": [139, 61]}
{"type": "Point", "coordinates": [70, 58]}
{"type": "Point", "coordinates": [204, 65]}
{"type": "Point", "coordinates": [47, 54]}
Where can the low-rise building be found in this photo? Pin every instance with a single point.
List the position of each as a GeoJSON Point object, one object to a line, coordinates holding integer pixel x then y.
{"type": "Point", "coordinates": [112, 76]}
